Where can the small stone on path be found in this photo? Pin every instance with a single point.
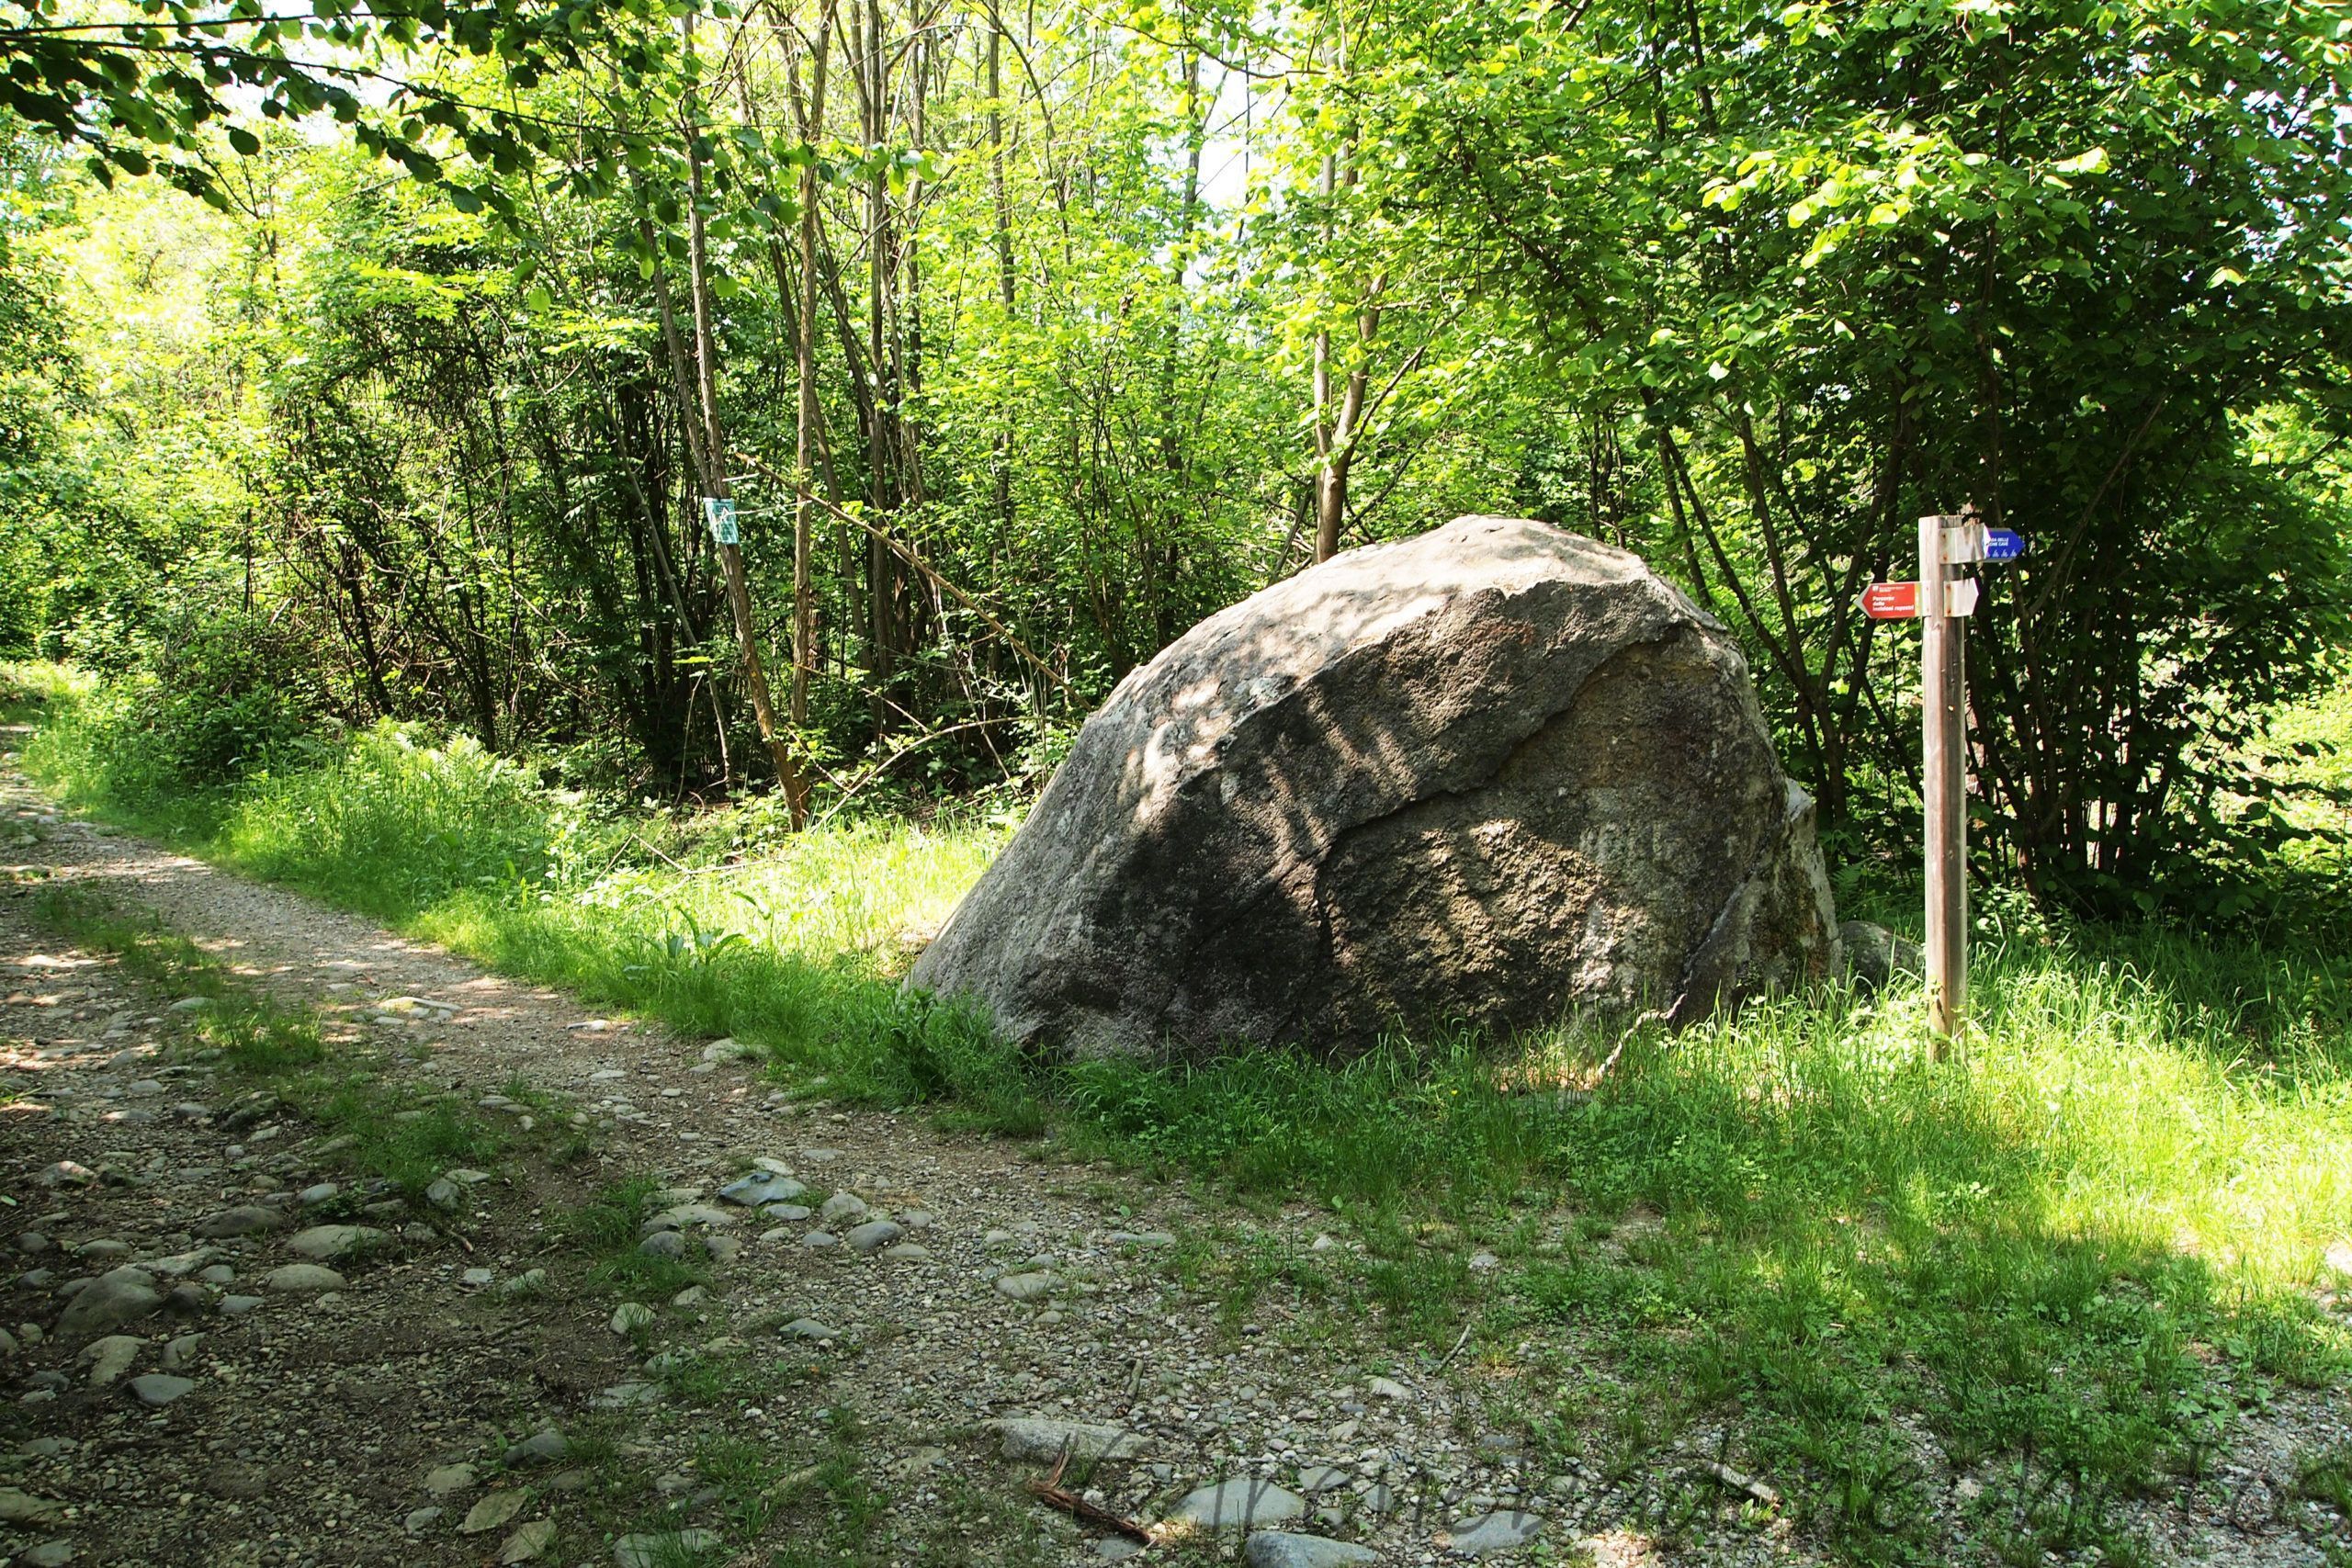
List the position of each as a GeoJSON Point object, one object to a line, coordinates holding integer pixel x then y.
{"type": "Point", "coordinates": [496, 1510]}
{"type": "Point", "coordinates": [1028, 1287]}
{"type": "Point", "coordinates": [1044, 1440]}
{"type": "Point", "coordinates": [629, 1316]}
{"type": "Point", "coordinates": [539, 1448]}
{"type": "Point", "coordinates": [1494, 1532]}
{"type": "Point", "coordinates": [111, 1356]}
{"type": "Point", "coordinates": [874, 1236]}
{"type": "Point", "coordinates": [810, 1328]}
{"type": "Point", "coordinates": [302, 1277]}
{"type": "Point", "coordinates": [246, 1219]}
{"type": "Point", "coordinates": [762, 1187]}
{"type": "Point", "coordinates": [1279, 1548]}
{"type": "Point", "coordinates": [158, 1389]}
{"type": "Point", "coordinates": [841, 1207]}
{"type": "Point", "coordinates": [1240, 1504]}
{"type": "Point", "coordinates": [528, 1543]}
{"type": "Point", "coordinates": [325, 1243]}
{"type": "Point", "coordinates": [117, 1297]}
{"type": "Point", "coordinates": [444, 1480]}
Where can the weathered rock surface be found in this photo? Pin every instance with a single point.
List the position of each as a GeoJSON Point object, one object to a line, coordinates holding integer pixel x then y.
{"type": "Point", "coordinates": [114, 1299]}
{"type": "Point", "coordinates": [1874, 956]}
{"type": "Point", "coordinates": [1240, 1503]}
{"type": "Point", "coordinates": [1280, 1549]}
{"type": "Point", "coordinates": [1492, 775]}
{"type": "Point", "coordinates": [1046, 1441]}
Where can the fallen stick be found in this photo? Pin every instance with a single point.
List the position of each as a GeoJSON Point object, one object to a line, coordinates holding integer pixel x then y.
{"type": "Point", "coordinates": [1049, 1492]}
{"type": "Point", "coordinates": [1735, 1479]}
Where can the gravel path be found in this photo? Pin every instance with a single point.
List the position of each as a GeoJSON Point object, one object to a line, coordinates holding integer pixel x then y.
{"type": "Point", "coordinates": [900, 1328]}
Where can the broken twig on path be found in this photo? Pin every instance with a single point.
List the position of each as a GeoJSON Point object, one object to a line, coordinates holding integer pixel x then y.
{"type": "Point", "coordinates": [1049, 1492]}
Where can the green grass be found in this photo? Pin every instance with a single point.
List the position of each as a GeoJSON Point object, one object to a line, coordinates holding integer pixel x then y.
{"type": "Point", "coordinates": [2071, 1254]}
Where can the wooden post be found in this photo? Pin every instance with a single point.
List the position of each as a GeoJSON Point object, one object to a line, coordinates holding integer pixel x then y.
{"type": "Point", "coordinates": [1944, 785]}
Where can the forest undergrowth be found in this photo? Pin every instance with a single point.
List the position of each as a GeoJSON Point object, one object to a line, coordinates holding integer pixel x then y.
{"type": "Point", "coordinates": [2072, 1254]}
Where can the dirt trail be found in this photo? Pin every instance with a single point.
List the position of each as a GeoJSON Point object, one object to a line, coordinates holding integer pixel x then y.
{"type": "Point", "coordinates": [826, 1392]}
{"type": "Point", "coordinates": [821, 1399]}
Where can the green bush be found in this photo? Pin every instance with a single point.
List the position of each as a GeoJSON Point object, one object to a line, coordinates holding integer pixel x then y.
{"type": "Point", "coordinates": [223, 700]}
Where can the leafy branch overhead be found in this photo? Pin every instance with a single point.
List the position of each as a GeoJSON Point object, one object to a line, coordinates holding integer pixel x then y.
{"type": "Point", "coordinates": [144, 91]}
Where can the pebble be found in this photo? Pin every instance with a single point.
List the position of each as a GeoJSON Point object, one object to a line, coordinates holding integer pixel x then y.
{"type": "Point", "coordinates": [160, 1388]}
{"type": "Point", "coordinates": [1494, 1532]}
{"type": "Point", "coordinates": [182, 1351]}
{"type": "Point", "coordinates": [663, 1244]}
{"type": "Point", "coordinates": [49, 1555]}
{"type": "Point", "coordinates": [445, 1480]}
{"type": "Point", "coordinates": [530, 1281]}
{"type": "Point", "coordinates": [762, 1187]}
{"type": "Point", "coordinates": [626, 1395]}
{"type": "Point", "coordinates": [117, 1297]}
{"type": "Point", "coordinates": [324, 1243]}
{"type": "Point", "coordinates": [238, 1307]}
{"type": "Point", "coordinates": [246, 1219]}
{"type": "Point", "coordinates": [420, 1517]}
{"type": "Point", "coordinates": [111, 1356]}
{"type": "Point", "coordinates": [874, 1236]}
{"type": "Point", "coordinates": [540, 1448]}
{"type": "Point", "coordinates": [19, 1508]}
{"type": "Point", "coordinates": [908, 1251]}
{"type": "Point", "coordinates": [475, 1279]}
{"type": "Point", "coordinates": [841, 1207]}
{"type": "Point", "coordinates": [810, 1328]}
{"type": "Point", "coordinates": [1028, 1287]}
{"type": "Point", "coordinates": [629, 1316]}
{"type": "Point", "coordinates": [302, 1277]}
{"type": "Point", "coordinates": [324, 1192]}
{"type": "Point", "coordinates": [1388, 1388]}
{"type": "Point", "coordinates": [1045, 1441]}
{"type": "Point", "coordinates": [1238, 1504]}
{"type": "Point", "coordinates": [789, 1212]}
{"type": "Point", "coordinates": [446, 1195]}
{"type": "Point", "coordinates": [820, 1239]}
{"type": "Point", "coordinates": [494, 1510]}
{"type": "Point", "coordinates": [1278, 1549]}
{"type": "Point", "coordinates": [528, 1543]}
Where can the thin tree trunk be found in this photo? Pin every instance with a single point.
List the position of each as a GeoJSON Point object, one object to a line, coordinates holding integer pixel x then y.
{"type": "Point", "coordinates": [739, 592]}
{"type": "Point", "coordinates": [804, 602]}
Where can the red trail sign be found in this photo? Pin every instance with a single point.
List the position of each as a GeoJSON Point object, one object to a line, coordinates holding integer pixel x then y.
{"type": "Point", "coordinates": [1892, 600]}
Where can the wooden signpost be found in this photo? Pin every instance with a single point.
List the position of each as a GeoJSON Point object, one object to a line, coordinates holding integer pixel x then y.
{"type": "Point", "coordinates": [1941, 603]}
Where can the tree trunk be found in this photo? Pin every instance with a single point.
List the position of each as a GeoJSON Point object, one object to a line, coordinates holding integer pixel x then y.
{"type": "Point", "coordinates": [714, 441]}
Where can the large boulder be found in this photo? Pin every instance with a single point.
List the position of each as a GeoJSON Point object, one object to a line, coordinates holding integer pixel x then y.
{"type": "Point", "coordinates": [1493, 776]}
